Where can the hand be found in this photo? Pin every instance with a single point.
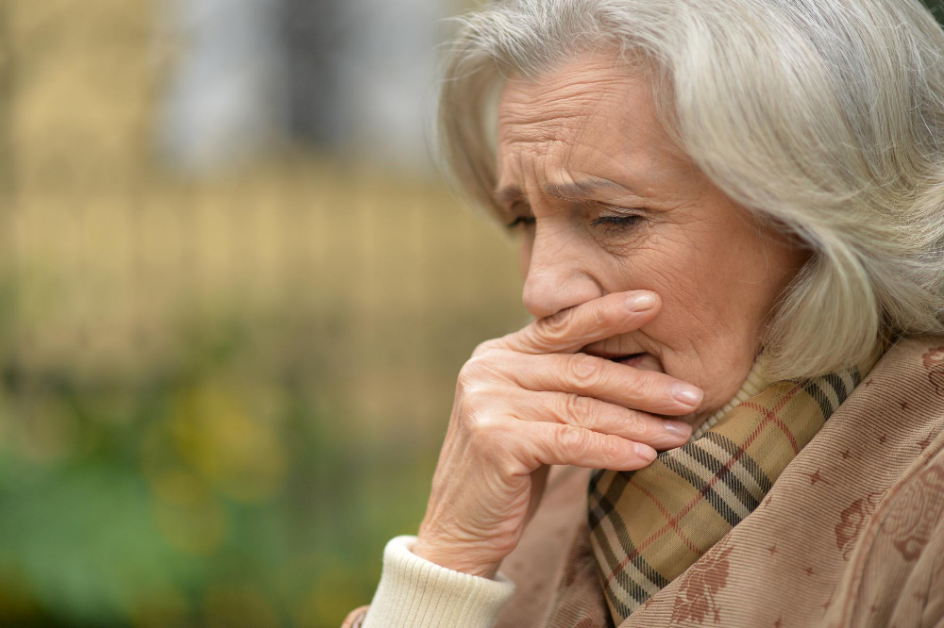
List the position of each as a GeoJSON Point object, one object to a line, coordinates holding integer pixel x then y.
{"type": "Point", "coordinates": [529, 400]}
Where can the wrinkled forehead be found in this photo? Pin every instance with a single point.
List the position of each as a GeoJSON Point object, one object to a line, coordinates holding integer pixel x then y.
{"type": "Point", "coordinates": [592, 115]}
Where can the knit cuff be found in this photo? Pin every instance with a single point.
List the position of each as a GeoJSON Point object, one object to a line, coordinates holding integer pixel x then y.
{"type": "Point", "coordinates": [415, 592]}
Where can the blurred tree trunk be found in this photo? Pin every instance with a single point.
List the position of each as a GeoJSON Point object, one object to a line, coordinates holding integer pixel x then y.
{"type": "Point", "coordinates": [313, 39]}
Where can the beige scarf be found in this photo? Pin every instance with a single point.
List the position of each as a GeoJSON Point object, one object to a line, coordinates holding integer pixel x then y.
{"type": "Point", "coordinates": [648, 526]}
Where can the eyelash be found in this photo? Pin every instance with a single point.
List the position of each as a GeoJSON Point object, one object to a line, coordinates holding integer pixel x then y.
{"type": "Point", "coordinates": [620, 223]}
{"type": "Point", "coordinates": [521, 220]}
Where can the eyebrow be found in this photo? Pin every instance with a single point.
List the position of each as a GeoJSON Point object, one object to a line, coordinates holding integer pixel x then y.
{"type": "Point", "coordinates": [564, 191]}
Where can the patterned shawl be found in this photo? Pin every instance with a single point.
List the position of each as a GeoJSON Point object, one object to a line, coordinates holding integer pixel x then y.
{"type": "Point", "coordinates": [650, 525]}
{"type": "Point", "coordinates": [850, 535]}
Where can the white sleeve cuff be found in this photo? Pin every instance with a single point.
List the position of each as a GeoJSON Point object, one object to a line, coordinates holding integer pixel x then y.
{"type": "Point", "coordinates": [416, 593]}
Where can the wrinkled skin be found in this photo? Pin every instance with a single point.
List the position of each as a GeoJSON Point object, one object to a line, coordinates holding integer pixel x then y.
{"type": "Point", "coordinates": [606, 210]}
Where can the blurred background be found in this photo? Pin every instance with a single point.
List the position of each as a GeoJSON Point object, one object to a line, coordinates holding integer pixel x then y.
{"type": "Point", "coordinates": [234, 297]}
{"type": "Point", "coordinates": [235, 294]}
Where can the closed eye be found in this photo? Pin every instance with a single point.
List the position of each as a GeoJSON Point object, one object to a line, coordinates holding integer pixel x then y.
{"type": "Point", "coordinates": [611, 222]}
{"type": "Point", "coordinates": [616, 222]}
{"type": "Point", "coordinates": [521, 220]}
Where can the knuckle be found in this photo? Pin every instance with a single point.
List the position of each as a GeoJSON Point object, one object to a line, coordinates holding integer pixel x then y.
{"type": "Point", "coordinates": [480, 428]}
{"type": "Point", "coordinates": [555, 328]}
{"type": "Point", "coordinates": [598, 317]}
{"type": "Point", "coordinates": [614, 448]}
{"type": "Point", "coordinates": [643, 385]}
{"type": "Point", "coordinates": [585, 370]}
{"type": "Point", "coordinates": [474, 411]}
{"type": "Point", "coordinates": [641, 428]}
{"type": "Point", "coordinates": [485, 347]}
{"type": "Point", "coordinates": [465, 386]}
{"type": "Point", "coordinates": [472, 370]}
{"type": "Point", "coordinates": [578, 410]}
{"type": "Point", "coordinates": [573, 440]}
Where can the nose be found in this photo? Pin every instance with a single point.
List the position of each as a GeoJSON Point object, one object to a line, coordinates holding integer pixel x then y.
{"type": "Point", "coordinates": [557, 276]}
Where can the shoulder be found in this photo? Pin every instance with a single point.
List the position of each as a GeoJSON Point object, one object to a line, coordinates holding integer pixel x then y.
{"type": "Point", "coordinates": [919, 359]}
{"type": "Point", "coordinates": [902, 548]}
{"type": "Point", "coordinates": [906, 387]}
{"type": "Point", "coordinates": [905, 394]}
{"type": "Point", "coordinates": [911, 516]}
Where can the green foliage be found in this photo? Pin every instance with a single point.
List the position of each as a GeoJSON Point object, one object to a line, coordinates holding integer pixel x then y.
{"type": "Point", "coordinates": [217, 489]}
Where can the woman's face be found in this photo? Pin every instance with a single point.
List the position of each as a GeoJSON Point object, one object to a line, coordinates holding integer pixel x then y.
{"type": "Point", "coordinates": [604, 205]}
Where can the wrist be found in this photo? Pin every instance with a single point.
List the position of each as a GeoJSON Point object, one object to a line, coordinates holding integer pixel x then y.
{"type": "Point", "coordinates": [416, 592]}
{"type": "Point", "coordinates": [450, 557]}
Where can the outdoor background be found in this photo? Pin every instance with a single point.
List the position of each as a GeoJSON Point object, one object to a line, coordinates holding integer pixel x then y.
{"type": "Point", "coordinates": [234, 297]}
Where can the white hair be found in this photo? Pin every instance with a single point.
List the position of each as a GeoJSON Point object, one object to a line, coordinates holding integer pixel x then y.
{"type": "Point", "coordinates": [822, 117]}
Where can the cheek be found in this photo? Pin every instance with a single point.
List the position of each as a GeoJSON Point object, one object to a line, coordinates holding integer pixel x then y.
{"type": "Point", "coordinates": [689, 306]}
{"type": "Point", "coordinates": [716, 294]}
{"type": "Point", "coordinates": [702, 301]}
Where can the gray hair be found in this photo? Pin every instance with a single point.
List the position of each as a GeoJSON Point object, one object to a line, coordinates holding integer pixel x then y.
{"type": "Point", "coordinates": [822, 117]}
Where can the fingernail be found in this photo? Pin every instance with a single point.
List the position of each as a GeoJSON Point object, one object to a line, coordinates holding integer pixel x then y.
{"type": "Point", "coordinates": [641, 302]}
{"type": "Point", "coordinates": [677, 428]}
{"type": "Point", "coordinates": [689, 395]}
{"type": "Point", "coordinates": [645, 452]}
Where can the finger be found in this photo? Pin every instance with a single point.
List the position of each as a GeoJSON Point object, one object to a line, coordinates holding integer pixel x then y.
{"type": "Point", "coordinates": [605, 418]}
{"type": "Point", "coordinates": [570, 330]}
{"type": "Point", "coordinates": [553, 443]}
{"type": "Point", "coordinates": [603, 379]}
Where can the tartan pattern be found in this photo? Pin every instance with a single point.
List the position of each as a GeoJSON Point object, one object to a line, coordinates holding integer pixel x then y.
{"type": "Point", "coordinates": [650, 525]}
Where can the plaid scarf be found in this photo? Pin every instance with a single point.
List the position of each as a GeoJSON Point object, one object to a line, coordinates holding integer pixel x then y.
{"type": "Point", "coordinates": [650, 525]}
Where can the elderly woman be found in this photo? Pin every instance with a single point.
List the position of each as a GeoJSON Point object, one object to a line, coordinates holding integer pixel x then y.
{"type": "Point", "coordinates": [731, 219]}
